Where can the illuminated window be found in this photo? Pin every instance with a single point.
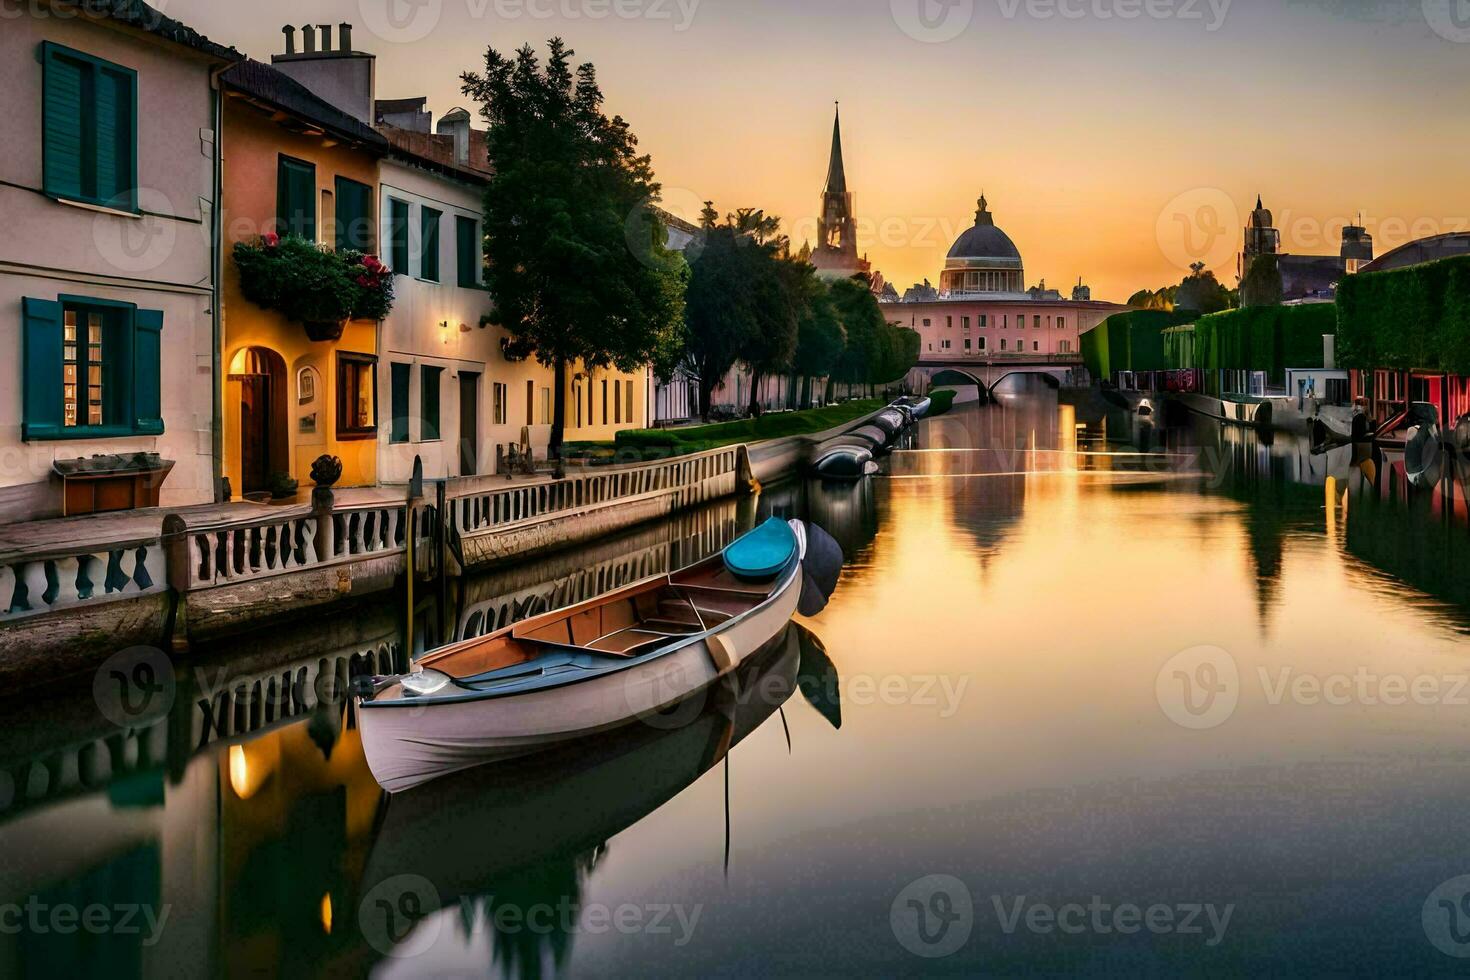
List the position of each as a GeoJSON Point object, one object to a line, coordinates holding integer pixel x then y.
{"type": "Point", "coordinates": [83, 360]}
{"type": "Point", "coordinates": [357, 403]}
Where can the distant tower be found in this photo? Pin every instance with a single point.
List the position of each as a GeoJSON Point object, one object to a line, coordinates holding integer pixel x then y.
{"type": "Point", "coordinates": [1261, 238]}
{"type": "Point", "coordinates": [1357, 246]}
{"type": "Point", "coordinates": [836, 255]}
{"type": "Point", "coordinates": [837, 227]}
{"type": "Point", "coordinates": [1081, 293]}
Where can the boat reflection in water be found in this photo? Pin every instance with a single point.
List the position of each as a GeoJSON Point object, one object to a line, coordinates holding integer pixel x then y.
{"type": "Point", "coordinates": [529, 834]}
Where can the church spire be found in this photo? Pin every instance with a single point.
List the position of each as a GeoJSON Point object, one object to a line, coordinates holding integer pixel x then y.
{"type": "Point", "coordinates": [836, 173]}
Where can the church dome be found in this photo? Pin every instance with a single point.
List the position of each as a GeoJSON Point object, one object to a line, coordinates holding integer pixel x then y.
{"type": "Point", "coordinates": [984, 259]}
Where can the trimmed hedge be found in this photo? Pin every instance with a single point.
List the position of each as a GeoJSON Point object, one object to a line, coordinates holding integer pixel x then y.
{"type": "Point", "coordinates": [1407, 319]}
{"type": "Point", "coordinates": [1264, 338]}
{"type": "Point", "coordinates": [1130, 342]}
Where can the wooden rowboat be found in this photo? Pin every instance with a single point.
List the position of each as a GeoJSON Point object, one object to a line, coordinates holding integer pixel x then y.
{"type": "Point", "coordinates": [586, 669]}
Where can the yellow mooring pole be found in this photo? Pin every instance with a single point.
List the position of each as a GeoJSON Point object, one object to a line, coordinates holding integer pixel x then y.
{"type": "Point", "coordinates": [410, 535]}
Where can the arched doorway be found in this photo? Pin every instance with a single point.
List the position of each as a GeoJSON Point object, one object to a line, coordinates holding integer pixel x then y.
{"type": "Point", "coordinates": [264, 440]}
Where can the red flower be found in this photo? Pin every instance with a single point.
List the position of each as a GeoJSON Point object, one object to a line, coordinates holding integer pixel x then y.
{"type": "Point", "coordinates": [364, 282]}
{"type": "Point", "coordinates": [371, 261]}
{"type": "Point", "coordinates": [271, 239]}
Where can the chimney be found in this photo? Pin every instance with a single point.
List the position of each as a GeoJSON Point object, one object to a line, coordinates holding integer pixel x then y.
{"type": "Point", "coordinates": [338, 75]}
{"type": "Point", "coordinates": [290, 33]}
{"type": "Point", "coordinates": [456, 123]}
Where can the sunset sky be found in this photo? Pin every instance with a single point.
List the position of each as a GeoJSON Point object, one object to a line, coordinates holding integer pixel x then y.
{"type": "Point", "coordinates": [1111, 148]}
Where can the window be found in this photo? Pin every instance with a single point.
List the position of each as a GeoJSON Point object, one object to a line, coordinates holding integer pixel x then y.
{"type": "Point", "coordinates": [357, 401]}
{"type": "Point", "coordinates": [89, 141]}
{"type": "Point", "coordinates": [296, 198]}
{"type": "Point", "coordinates": [984, 321]}
{"type": "Point", "coordinates": [91, 369]}
{"type": "Point", "coordinates": [628, 402]}
{"type": "Point", "coordinates": [429, 377]}
{"type": "Point", "coordinates": [604, 399]}
{"type": "Point", "coordinates": [354, 216]}
{"type": "Point", "coordinates": [1064, 346]}
{"type": "Point", "coordinates": [982, 343]}
{"type": "Point", "coordinates": [501, 403]}
{"type": "Point", "coordinates": [469, 254]}
{"type": "Point", "coordinates": [545, 406]}
{"type": "Point", "coordinates": [398, 236]}
{"type": "Point", "coordinates": [926, 321]}
{"type": "Point", "coordinates": [1036, 346]}
{"type": "Point", "coordinates": [530, 403]}
{"type": "Point", "coordinates": [966, 322]}
{"type": "Point", "coordinates": [967, 343]}
{"type": "Point", "coordinates": [306, 379]}
{"type": "Point", "coordinates": [429, 243]}
{"type": "Point", "coordinates": [1061, 323]}
{"type": "Point", "coordinates": [1002, 344]}
{"type": "Point", "coordinates": [1037, 324]}
{"type": "Point", "coordinates": [402, 375]}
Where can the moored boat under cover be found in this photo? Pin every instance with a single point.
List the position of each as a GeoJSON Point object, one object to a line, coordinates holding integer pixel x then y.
{"type": "Point", "coordinates": [844, 463]}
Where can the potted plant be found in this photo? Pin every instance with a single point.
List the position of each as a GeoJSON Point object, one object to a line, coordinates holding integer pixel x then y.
{"type": "Point", "coordinates": [315, 286]}
{"type": "Point", "coordinates": [326, 471]}
{"type": "Point", "coordinates": [282, 487]}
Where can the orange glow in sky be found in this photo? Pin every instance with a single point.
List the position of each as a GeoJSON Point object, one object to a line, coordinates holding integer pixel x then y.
{"type": "Point", "coordinates": [1112, 147]}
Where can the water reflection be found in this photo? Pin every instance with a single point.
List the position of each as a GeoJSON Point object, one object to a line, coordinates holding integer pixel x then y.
{"type": "Point", "coordinates": [978, 700]}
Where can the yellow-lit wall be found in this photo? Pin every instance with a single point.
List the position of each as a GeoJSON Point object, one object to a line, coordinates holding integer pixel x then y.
{"type": "Point", "coordinates": [252, 146]}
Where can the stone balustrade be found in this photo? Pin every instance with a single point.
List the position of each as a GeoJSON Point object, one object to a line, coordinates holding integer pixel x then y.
{"type": "Point", "coordinates": [43, 582]}
{"type": "Point", "coordinates": [477, 506]}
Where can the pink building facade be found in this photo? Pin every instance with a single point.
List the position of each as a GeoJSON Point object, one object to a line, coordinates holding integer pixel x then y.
{"type": "Point", "coordinates": [968, 328]}
{"type": "Point", "coordinates": [982, 313]}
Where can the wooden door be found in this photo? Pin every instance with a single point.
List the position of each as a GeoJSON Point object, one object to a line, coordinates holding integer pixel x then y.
{"type": "Point", "coordinates": [255, 433]}
{"type": "Point", "coordinates": [469, 423]}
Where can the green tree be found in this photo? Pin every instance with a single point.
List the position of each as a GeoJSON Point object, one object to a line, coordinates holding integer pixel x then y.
{"type": "Point", "coordinates": [575, 257]}
{"type": "Point", "coordinates": [1201, 292]}
{"type": "Point", "coordinates": [719, 308]}
{"type": "Point", "coordinates": [819, 337]}
{"type": "Point", "coordinates": [862, 324]}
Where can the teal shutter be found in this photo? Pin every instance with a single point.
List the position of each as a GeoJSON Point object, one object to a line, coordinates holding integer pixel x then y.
{"type": "Point", "coordinates": [429, 403]}
{"type": "Point", "coordinates": [116, 138]}
{"type": "Point", "coordinates": [429, 243]}
{"type": "Point", "coordinates": [398, 236]}
{"type": "Point", "coordinates": [354, 216]}
{"type": "Point", "coordinates": [467, 250]}
{"type": "Point", "coordinates": [401, 375]}
{"type": "Point", "coordinates": [41, 381]}
{"type": "Point", "coordinates": [62, 124]}
{"type": "Point", "coordinates": [296, 198]}
{"type": "Point", "coordinates": [148, 372]}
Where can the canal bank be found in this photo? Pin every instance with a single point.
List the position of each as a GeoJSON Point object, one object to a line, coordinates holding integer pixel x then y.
{"type": "Point", "coordinates": [179, 578]}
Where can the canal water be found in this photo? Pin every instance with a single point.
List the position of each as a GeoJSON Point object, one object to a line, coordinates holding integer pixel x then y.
{"type": "Point", "coordinates": [1093, 696]}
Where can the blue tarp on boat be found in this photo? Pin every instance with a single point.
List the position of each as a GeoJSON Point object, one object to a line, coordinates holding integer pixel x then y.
{"type": "Point", "coordinates": [763, 552]}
